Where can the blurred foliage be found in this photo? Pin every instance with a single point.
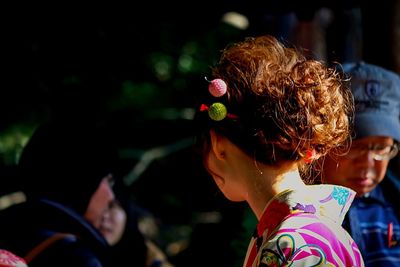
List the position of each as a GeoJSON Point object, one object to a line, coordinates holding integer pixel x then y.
{"type": "Point", "coordinates": [98, 67]}
{"type": "Point", "coordinates": [12, 140]}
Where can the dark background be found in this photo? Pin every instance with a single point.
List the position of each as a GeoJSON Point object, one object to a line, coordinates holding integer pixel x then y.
{"type": "Point", "coordinates": [137, 69]}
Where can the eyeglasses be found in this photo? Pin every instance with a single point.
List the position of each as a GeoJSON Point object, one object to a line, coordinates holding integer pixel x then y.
{"type": "Point", "coordinates": [378, 151]}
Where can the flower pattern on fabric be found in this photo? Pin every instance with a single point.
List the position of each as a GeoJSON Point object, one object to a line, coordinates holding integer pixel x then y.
{"type": "Point", "coordinates": [288, 254]}
{"type": "Point", "coordinates": [340, 194]}
{"type": "Point", "coordinates": [306, 208]}
{"type": "Point", "coordinates": [269, 258]}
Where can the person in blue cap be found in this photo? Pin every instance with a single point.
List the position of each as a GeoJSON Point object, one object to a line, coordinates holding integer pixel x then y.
{"type": "Point", "coordinates": [373, 219]}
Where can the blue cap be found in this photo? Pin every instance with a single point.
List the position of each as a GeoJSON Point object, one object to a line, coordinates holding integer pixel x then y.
{"type": "Point", "coordinates": [377, 98]}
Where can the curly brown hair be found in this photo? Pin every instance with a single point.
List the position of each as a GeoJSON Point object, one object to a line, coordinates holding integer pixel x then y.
{"type": "Point", "coordinates": [286, 104]}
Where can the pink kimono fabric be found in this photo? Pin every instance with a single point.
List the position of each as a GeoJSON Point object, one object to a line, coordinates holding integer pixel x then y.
{"type": "Point", "coordinates": [304, 229]}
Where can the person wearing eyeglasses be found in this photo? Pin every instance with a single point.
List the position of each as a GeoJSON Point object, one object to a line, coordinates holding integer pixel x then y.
{"type": "Point", "coordinates": [373, 218]}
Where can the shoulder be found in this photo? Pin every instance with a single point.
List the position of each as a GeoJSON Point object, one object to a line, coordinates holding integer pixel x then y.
{"type": "Point", "coordinates": [41, 232]}
{"type": "Point", "coordinates": [66, 250]}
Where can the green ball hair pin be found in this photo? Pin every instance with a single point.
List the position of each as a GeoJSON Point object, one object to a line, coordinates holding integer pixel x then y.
{"type": "Point", "coordinates": [217, 111]}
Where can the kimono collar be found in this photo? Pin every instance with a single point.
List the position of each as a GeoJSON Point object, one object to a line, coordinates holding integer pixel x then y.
{"type": "Point", "coordinates": [327, 201]}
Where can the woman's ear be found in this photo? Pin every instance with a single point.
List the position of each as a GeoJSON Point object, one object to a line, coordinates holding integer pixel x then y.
{"type": "Point", "coordinates": [217, 145]}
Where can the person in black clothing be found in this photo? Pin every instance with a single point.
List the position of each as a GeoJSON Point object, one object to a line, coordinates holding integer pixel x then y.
{"type": "Point", "coordinates": [65, 173]}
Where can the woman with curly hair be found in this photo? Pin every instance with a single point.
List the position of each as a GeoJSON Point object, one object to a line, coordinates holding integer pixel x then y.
{"type": "Point", "coordinates": [269, 113]}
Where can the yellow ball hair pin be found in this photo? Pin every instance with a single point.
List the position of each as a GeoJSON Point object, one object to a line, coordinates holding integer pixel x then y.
{"type": "Point", "coordinates": [217, 111]}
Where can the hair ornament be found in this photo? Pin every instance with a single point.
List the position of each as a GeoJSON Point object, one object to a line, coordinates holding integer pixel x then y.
{"type": "Point", "coordinates": [217, 87]}
{"type": "Point", "coordinates": [217, 111]}
{"type": "Point", "coordinates": [310, 156]}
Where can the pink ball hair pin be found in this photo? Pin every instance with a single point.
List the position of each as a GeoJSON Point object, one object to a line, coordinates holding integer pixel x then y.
{"type": "Point", "coordinates": [217, 87]}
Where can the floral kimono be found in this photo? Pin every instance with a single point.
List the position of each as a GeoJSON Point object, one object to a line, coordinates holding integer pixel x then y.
{"type": "Point", "coordinates": [304, 229]}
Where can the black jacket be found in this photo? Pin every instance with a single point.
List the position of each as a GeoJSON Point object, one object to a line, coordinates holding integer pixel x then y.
{"type": "Point", "coordinates": [24, 226]}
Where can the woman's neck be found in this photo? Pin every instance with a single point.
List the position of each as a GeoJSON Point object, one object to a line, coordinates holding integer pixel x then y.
{"type": "Point", "coordinates": [271, 182]}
